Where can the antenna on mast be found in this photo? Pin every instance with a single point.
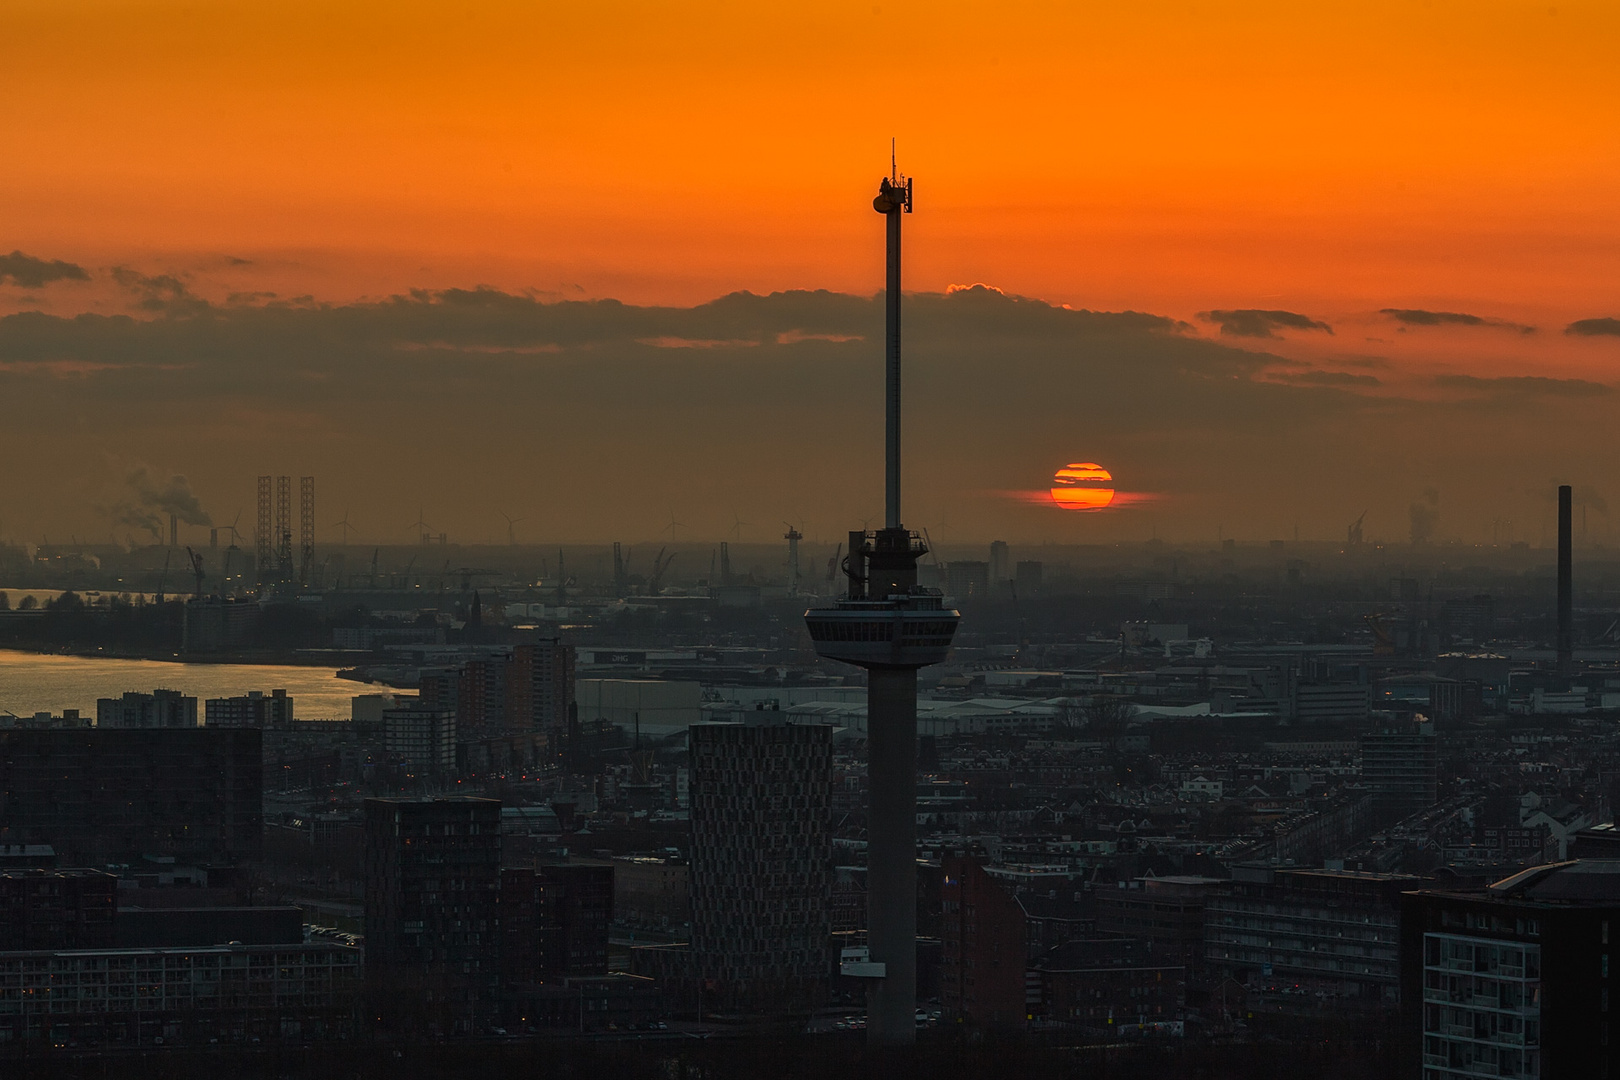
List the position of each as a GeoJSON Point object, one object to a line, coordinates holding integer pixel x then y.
{"type": "Point", "coordinates": [894, 171]}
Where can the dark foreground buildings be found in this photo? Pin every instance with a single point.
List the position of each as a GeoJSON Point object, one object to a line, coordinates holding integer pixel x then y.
{"type": "Point", "coordinates": [762, 862]}
{"type": "Point", "coordinates": [433, 887]}
{"type": "Point", "coordinates": [111, 796]}
{"type": "Point", "coordinates": [1516, 980]}
{"type": "Point", "coordinates": [77, 969]}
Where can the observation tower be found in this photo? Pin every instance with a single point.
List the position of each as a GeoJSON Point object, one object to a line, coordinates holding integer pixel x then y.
{"type": "Point", "coordinates": [891, 626]}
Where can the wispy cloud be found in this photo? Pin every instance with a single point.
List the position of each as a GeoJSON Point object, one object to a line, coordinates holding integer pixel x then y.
{"type": "Point", "coordinates": [31, 273]}
{"type": "Point", "coordinates": [1524, 385]}
{"type": "Point", "coordinates": [164, 293]}
{"type": "Point", "coordinates": [1420, 317]}
{"type": "Point", "coordinates": [1261, 323]}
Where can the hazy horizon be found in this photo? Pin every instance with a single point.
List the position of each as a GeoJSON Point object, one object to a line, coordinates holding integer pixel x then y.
{"type": "Point", "coordinates": [596, 420]}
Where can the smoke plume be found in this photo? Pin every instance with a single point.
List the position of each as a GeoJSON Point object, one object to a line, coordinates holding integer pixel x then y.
{"type": "Point", "coordinates": [1425, 516]}
{"type": "Point", "coordinates": [155, 499]}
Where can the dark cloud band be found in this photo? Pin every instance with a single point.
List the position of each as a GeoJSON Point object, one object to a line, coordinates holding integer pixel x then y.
{"type": "Point", "coordinates": [31, 273]}
{"type": "Point", "coordinates": [1260, 323]}
{"type": "Point", "coordinates": [1607, 327]}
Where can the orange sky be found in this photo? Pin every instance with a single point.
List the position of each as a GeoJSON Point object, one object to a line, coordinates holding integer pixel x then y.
{"type": "Point", "coordinates": [1168, 157]}
{"type": "Point", "coordinates": [1173, 157]}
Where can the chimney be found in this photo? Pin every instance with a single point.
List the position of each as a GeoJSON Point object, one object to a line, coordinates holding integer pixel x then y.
{"type": "Point", "coordinates": [1566, 606]}
{"type": "Point", "coordinates": [174, 531]}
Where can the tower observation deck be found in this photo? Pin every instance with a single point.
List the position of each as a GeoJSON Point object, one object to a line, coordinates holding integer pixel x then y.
{"type": "Point", "coordinates": [891, 626]}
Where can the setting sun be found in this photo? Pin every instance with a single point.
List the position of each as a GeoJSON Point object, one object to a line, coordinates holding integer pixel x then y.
{"type": "Point", "coordinates": [1083, 486]}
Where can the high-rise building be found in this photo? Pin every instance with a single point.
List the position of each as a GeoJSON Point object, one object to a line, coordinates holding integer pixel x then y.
{"type": "Point", "coordinates": [253, 709]}
{"type": "Point", "coordinates": [480, 697]}
{"type": "Point", "coordinates": [540, 691]}
{"type": "Point", "coordinates": [1001, 569]}
{"type": "Point", "coordinates": [762, 862]}
{"type": "Point", "coordinates": [1515, 980]}
{"type": "Point", "coordinates": [1027, 577]}
{"type": "Point", "coordinates": [421, 736]}
{"type": "Point", "coordinates": [554, 921]}
{"type": "Point", "coordinates": [1400, 766]}
{"type": "Point", "coordinates": [103, 796]}
{"type": "Point", "coordinates": [432, 895]}
{"type": "Point", "coordinates": [983, 950]}
{"type": "Point", "coordinates": [159, 709]}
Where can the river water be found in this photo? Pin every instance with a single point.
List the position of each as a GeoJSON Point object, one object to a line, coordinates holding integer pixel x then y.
{"type": "Point", "coordinates": [31, 682]}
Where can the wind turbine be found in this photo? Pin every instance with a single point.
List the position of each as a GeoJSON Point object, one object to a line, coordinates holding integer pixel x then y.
{"type": "Point", "coordinates": [422, 527]}
{"type": "Point", "coordinates": [511, 535]}
{"type": "Point", "coordinates": [344, 525]}
{"type": "Point", "coordinates": [737, 524]}
{"type": "Point", "coordinates": [673, 525]}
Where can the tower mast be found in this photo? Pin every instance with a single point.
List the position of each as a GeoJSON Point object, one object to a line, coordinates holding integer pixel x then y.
{"type": "Point", "coordinates": [890, 626]}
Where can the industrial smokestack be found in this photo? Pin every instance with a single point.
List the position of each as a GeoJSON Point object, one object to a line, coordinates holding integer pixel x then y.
{"type": "Point", "coordinates": [1566, 599]}
{"type": "Point", "coordinates": [174, 530]}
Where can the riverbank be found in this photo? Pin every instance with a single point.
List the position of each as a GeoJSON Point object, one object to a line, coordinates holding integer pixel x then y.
{"type": "Point", "coordinates": [321, 658]}
{"type": "Point", "coordinates": [33, 682]}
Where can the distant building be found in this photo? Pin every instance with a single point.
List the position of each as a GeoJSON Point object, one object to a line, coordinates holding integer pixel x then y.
{"type": "Point", "coordinates": [159, 709]}
{"type": "Point", "coordinates": [1001, 570]}
{"type": "Point", "coordinates": [1400, 766]}
{"type": "Point", "coordinates": [432, 902]}
{"type": "Point", "coordinates": [983, 950]}
{"type": "Point", "coordinates": [1027, 577]}
{"type": "Point", "coordinates": [540, 689]}
{"type": "Point", "coordinates": [213, 624]}
{"type": "Point", "coordinates": [368, 709]}
{"type": "Point", "coordinates": [658, 707]}
{"type": "Point", "coordinates": [1332, 703]}
{"type": "Point", "coordinates": [1318, 933]}
{"type": "Point", "coordinates": [1514, 980]}
{"type": "Point", "coordinates": [967, 581]}
{"type": "Point", "coordinates": [102, 796]}
{"type": "Point", "coordinates": [70, 718]}
{"type": "Point", "coordinates": [762, 862]}
{"type": "Point", "coordinates": [252, 709]}
{"type": "Point", "coordinates": [424, 737]}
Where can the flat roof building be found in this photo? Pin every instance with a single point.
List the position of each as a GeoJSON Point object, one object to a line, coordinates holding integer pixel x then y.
{"type": "Point", "coordinates": [102, 796]}
{"type": "Point", "coordinates": [1514, 980]}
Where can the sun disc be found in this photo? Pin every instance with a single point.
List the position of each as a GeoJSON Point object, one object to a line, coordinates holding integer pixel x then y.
{"type": "Point", "coordinates": [1082, 485]}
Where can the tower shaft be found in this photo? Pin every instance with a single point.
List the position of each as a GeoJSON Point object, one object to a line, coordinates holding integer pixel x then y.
{"type": "Point", "coordinates": [891, 853]}
{"type": "Point", "coordinates": [1566, 592]}
{"type": "Point", "coordinates": [891, 338]}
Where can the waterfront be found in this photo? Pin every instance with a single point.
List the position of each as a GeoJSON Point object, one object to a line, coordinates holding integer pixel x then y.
{"type": "Point", "coordinates": [34, 682]}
